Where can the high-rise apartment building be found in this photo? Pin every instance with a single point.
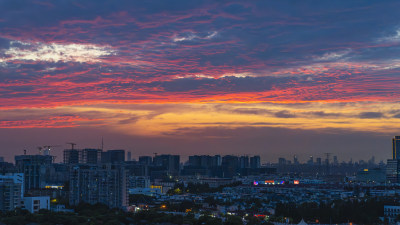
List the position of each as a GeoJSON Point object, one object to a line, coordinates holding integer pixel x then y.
{"type": "Point", "coordinates": [216, 160]}
{"type": "Point", "coordinates": [392, 170]}
{"type": "Point", "coordinates": [393, 165]}
{"type": "Point", "coordinates": [71, 156]}
{"type": "Point", "coordinates": [244, 162]}
{"type": "Point", "coordinates": [113, 156]}
{"type": "Point", "coordinates": [205, 161]}
{"type": "Point", "coordinates": [319, 161]}
{"type": "Point", "coordinates": [11, 191]}
{"type": "Point", "coordinates": [34, 168]}
{"type": "Point", "coordinates": [310, 160]}
{"type": "Point", "coordinates": [170, 163]}
{"type": "Point", "coordinates": [396, 147]}
{"type": "Point", "coordinates": [98, 183]}
{"type": "Point", "coordinates": [255, 162]}
{"type": "Point", "coordinates": [90, 156]}
{"type": "Point", "coordinates": [145, 160]}
{"type": "Point", "coordinates": [138, 182]}
{"type": "Point", "coordinates": [230, 166]}
{"type": "Point", "coordinates": [295, 160]}
{"type": "Point", "coordinates": [93, 156]}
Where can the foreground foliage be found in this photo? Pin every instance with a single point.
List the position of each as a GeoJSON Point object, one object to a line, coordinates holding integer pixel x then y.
{"type": "Point", "coordinates": [101, 214]}
{"type": "Point", "coordinates": [366, 211]}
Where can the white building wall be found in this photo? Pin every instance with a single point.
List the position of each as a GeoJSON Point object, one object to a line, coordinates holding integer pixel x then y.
{"type": "Point", "coordinates": [34, 204]}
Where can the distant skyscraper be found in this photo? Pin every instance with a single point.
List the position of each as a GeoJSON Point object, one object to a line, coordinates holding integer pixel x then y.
{"type": "Point", "coordinates": [129, 157]}
{"type": "Point", "coordinates": [230, 165]}
{"type": "Point", "coordinates": [311, 160]}
{"type": "Point", "coordinates": [372, 160]}
{"type": "Point", "coordinates": [255, 162]}
{"type": "Point", "coordinates": [244, 162]}
{"type": "Point", "coordinates": [319, 161]}
{"type": "Point", "coordinates": [282, 161]}
{"type": "Point", "coordinates": [396, 147]}
{"type": "Point", "coordinates": [295, 160]}
{"type": "Point", "coordinates": [335, 160]}
{"type": "Point", "coordinates": [1, 159]}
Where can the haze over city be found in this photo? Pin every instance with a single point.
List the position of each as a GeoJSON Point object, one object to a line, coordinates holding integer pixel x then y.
{"type": "Point", "coordinates": [268, 78]}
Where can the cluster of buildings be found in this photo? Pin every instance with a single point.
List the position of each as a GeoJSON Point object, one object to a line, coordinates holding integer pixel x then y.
{"type": "Point", "coordinates": [92, 176]}
{"type": "Point", "coordinates": [393, 164]}
{"type": "Point", "coordinates": [12, 195]}
{"type": "Point", "coordinates": [96, 176]}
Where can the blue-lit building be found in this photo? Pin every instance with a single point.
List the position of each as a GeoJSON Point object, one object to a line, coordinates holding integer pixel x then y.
{"type": "Point", "coordinates": [396, 147]}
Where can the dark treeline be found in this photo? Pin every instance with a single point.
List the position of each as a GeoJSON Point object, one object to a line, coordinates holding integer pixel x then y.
{"type": "Point", "coordinates": [366, 211]}
{"type": "Point", "coordinates": [101, 214]}
{"type": "Point", "coordinates": [197, 188]}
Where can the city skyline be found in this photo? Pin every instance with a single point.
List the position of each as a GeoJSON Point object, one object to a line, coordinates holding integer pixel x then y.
{"type": "Point", "coordinates": [201, 77]}
{"type": "Point", "coordinates": [59, 156]}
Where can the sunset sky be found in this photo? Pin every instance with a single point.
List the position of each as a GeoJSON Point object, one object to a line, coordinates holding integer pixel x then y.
{"type": "Point", "coordinates": [272, 78]}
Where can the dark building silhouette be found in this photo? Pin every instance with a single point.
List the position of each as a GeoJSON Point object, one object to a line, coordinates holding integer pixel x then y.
{"type": "Point", "coordinates": [295, 160]}
{"type": "Point", "coordinates": [90, 156]}
{"type": "Point", "coordinates": [34, 168]}
{"type": "Point", "coordinates": [392, 170]}
{"type": "Point", "coordinates": [216, 161]}
{"type": "Point", "coordinates": [6, 167]}
{"type": "Point", "coordinates": [71, 156]}
{"type": "Point", "coordinates": [244, 162]}
{"type": "Point", "coordinates": [98, 183]}
{"type": "Point", "coordinates": [11, 191]}
{"type": "Point", "coordinates": [319, 162]}
{"type": "Point", "coordinates": [145, 160]}
{"type": "Point", "coordinates": [281, 161]}
{"type": "Point", "coordinates": [203, 165]}
{"type": "Point", "coordinates": [396, 147]}
{"type": "Point", "coordinates": [113, 156]}
{"type": "Point", "coordinates": [136, 169]}
{"type": "Point", "coordinates": [205, 161]}
{"type": "Point", "coordinates": [170, 163]}
{"type": "Point", "coordinates": [255, 162]}
{"type": "Point", "coordinates": [230, 166]}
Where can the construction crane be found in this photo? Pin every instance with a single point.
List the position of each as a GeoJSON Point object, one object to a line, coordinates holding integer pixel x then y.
{"type": "Point", "coordinates": [50, 146]}
{"type": "Point", "coordinates": [72, 145]}
{"type": "Point", "coordinates": [47, 148]}
{"type": "Point", "coordinates": [40, 149]}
